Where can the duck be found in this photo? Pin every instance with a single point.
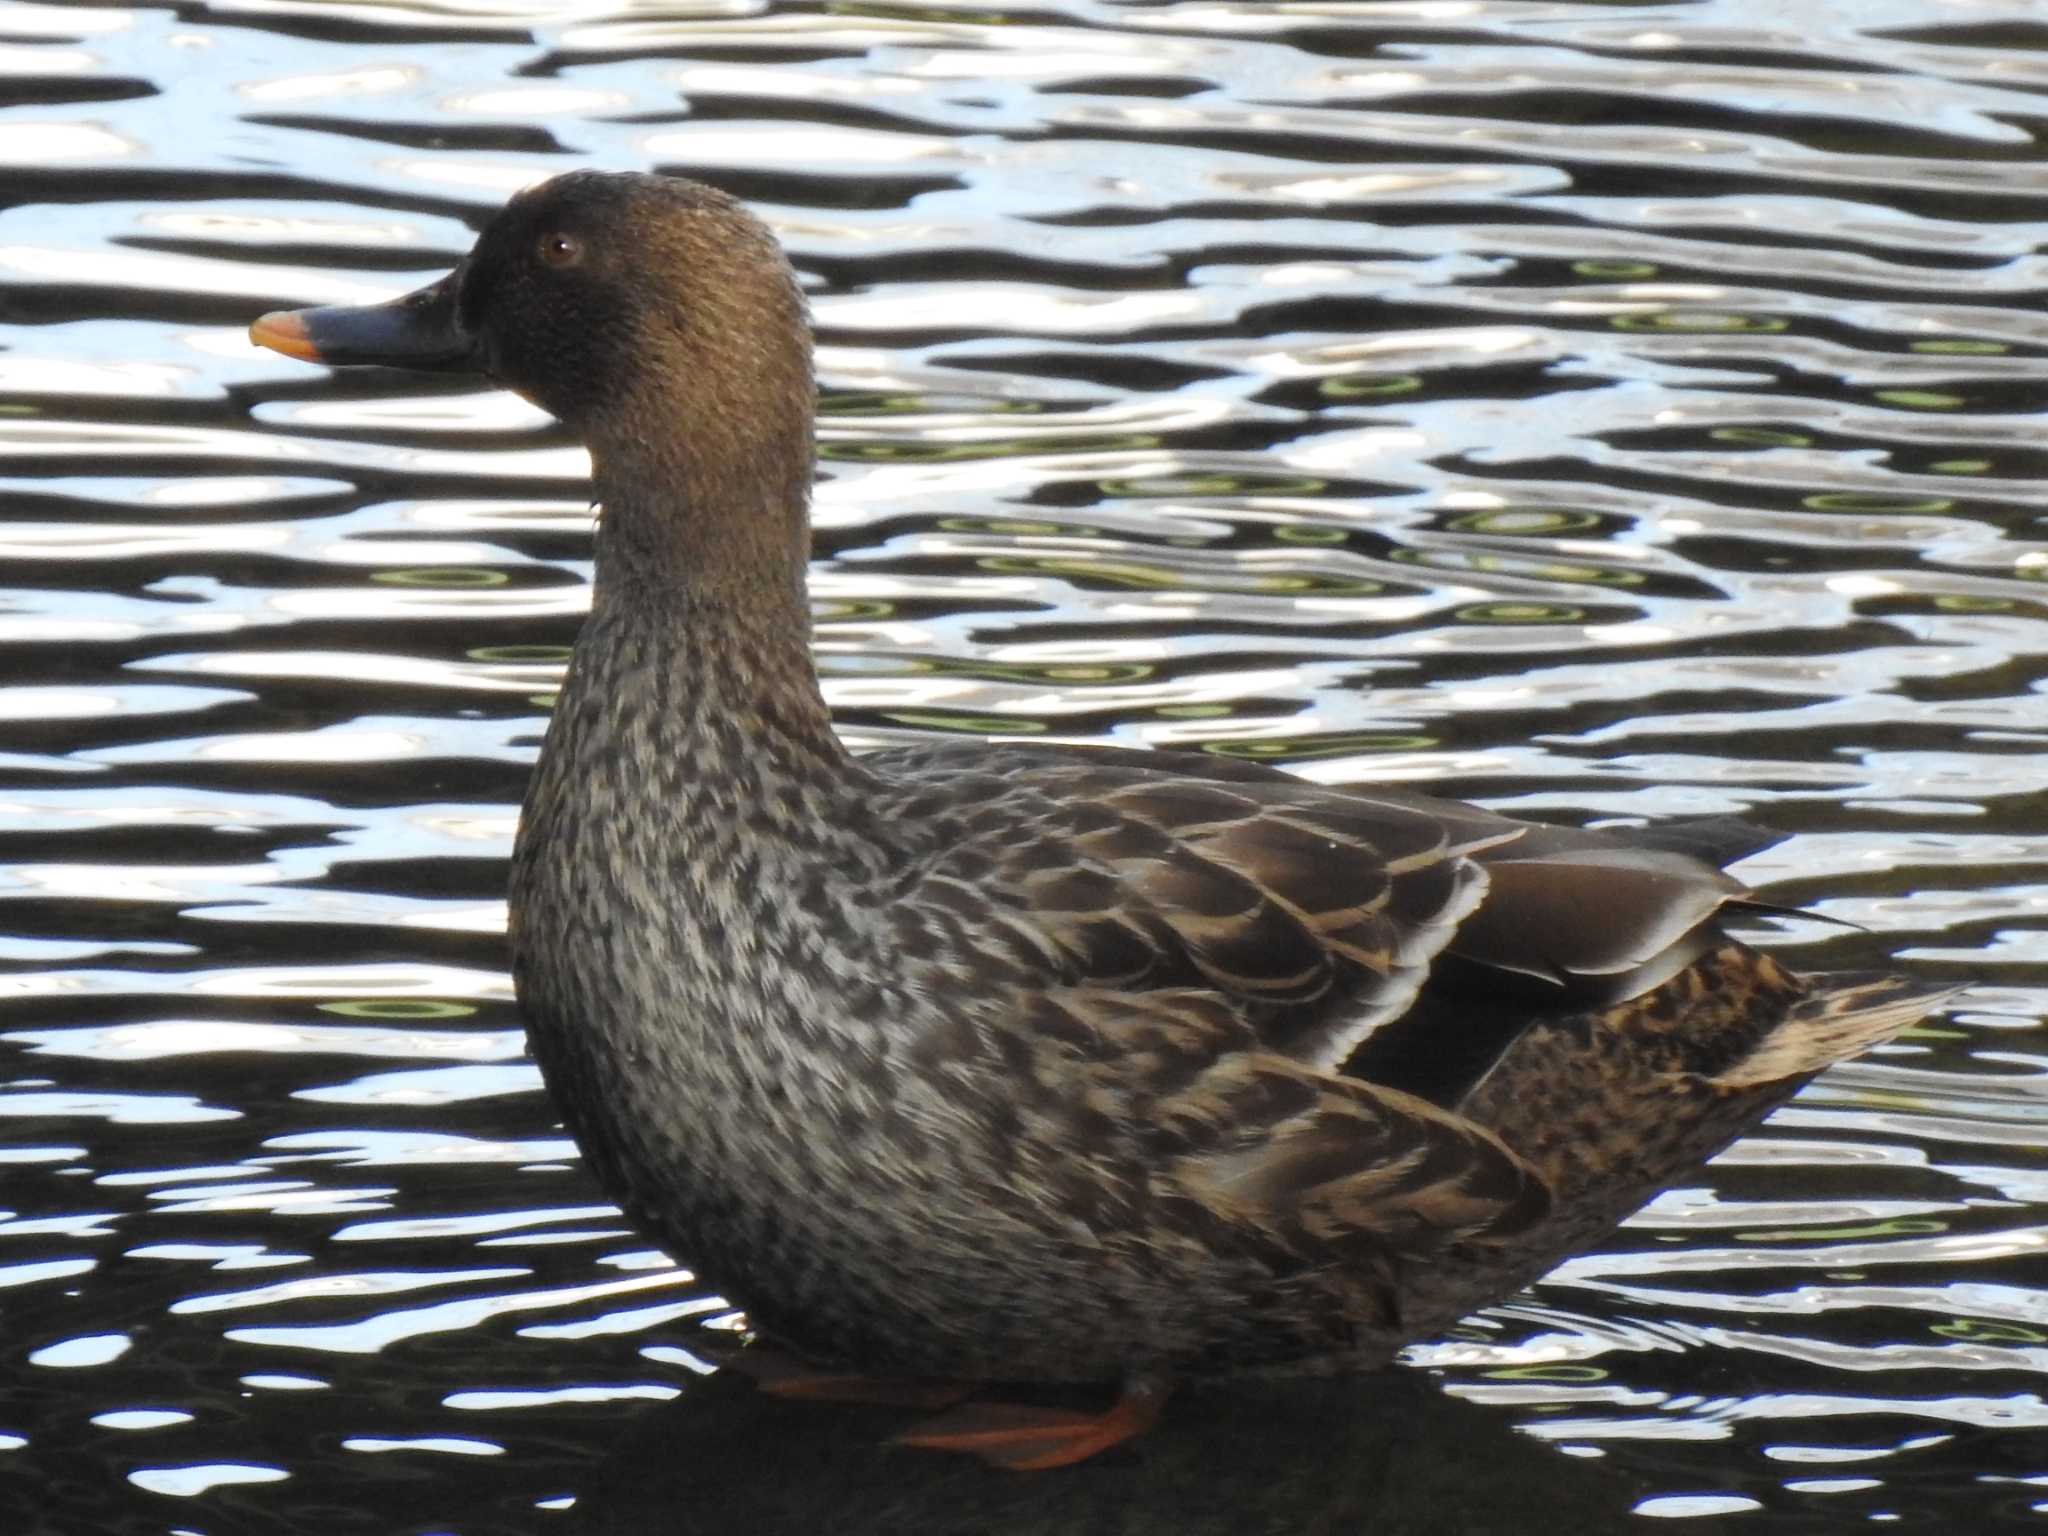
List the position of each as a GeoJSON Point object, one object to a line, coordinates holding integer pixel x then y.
{"type": "Point", "coordinates": [1051, 1066]}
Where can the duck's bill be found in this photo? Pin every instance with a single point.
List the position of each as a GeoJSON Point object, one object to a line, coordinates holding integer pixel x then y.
{"type": "Point", "coordinates": [420, 330]}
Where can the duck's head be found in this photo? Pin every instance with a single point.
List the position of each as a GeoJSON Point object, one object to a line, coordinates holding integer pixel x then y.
{"type": "Point", "coordinates": [655, 316]}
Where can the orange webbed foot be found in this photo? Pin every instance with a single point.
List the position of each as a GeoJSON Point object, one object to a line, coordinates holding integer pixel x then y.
{"type": "Point", "coordinates": [1028, 1438]}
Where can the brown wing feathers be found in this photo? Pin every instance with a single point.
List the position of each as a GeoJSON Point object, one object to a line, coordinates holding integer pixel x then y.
{"type": "Point", "coordinates": [1322, 913]}
{"type": "Point", "coordinates": [1361, 1166]}
{"type": "Point", "coordinates": [1291, 1159]}
{"type": "Point", "coordinates": [1318, 912]}
{"type": "Point", "coordinates": [1222, 945]}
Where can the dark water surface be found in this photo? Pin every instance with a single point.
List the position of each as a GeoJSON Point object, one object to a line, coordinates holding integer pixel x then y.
{"type": "Point", "coordinates": [1596, 409]}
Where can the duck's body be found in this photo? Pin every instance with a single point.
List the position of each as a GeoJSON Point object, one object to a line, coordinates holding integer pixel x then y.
{"type": "Point", "coordinates": [1035, 1063]}
{"type": "Point", "coordinates": [1023, 1063]}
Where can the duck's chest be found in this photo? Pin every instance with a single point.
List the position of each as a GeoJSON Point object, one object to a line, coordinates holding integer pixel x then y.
{"type": "Point", "coordinates": [691, 945]}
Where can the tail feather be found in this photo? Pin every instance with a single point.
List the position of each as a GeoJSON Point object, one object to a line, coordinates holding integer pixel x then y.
{"type": "Point", "coordinates": [1612, 1106]}
{"type": "Point", "coordinates": [1845, 1014]}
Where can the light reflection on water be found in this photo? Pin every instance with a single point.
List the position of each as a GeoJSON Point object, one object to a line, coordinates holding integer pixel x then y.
{"type": "Point", "coordinates": [1602, 415]}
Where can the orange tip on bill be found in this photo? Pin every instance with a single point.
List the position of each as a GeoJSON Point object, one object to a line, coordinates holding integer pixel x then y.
{"type": "Point", "coordinates": [283, 331]}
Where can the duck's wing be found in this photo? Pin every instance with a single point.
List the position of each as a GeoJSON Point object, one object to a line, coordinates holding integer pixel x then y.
{"type": "Point", "coordinates": [1321, 913]}
{"type": "Point", "coordinates": [1258, 1153]}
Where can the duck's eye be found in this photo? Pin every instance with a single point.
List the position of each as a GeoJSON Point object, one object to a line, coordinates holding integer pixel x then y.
{"type": "Point", "coordinates": [560, 249]}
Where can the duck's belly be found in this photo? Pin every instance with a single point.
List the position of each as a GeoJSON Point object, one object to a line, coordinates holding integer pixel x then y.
{"type": "Point", "coordinates": [899, 1227]}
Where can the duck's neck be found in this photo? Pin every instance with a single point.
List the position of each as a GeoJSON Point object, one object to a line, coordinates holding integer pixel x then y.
{"type": "Point", "coordinates": [701, 558]}
{"type": "Point", "coordinates": [705, 495]}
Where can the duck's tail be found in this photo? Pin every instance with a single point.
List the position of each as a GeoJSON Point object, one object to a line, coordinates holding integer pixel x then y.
{"type": "Point", "coordinates": [1612, 1106]}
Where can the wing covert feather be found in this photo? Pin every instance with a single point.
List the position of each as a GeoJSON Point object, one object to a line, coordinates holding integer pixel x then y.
{"type": "Point", "coordinates": [1324, 1169]}
{"type": "Point", "coordinates": [1320, 913]}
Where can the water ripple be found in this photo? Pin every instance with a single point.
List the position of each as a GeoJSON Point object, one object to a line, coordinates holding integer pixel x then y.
{"type": "Point", "coordinates": [1608, 414]}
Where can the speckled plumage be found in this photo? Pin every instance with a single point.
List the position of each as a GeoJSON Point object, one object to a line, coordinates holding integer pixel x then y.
{"type": "Point", "coordinates": [1023, 1062]}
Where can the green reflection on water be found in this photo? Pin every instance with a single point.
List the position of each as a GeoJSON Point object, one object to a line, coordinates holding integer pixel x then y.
{"type": "Point", "coordinates": [1215, 484]}
{"type": "Point", "coordinates": [399, 1008]}
{"type": "Point", "coordinates": [951, 18]}
{"type": "Point", "coordinates": [1703, 321]}
{"type": "Point", "coordinates": [1970, 602]}
{"type": "Point", "coordinates": [1898, 1226]}
{"type": "Point", "coordinates": [1556, 1372]}
{"type": "Point", "coordinates": [871, 405]}
{"type": "Point", "coordinates": [875, 403]}
{"type": "Point", "coordinates": [1017, 527]}
{"type": "Point", "coordinates": [1760, 437]}
{"type": "Point", "coordinates": [1985, 1331]}
{"type": "Point", "coordinates": [843, 609]}
{"type": "Point", "coordinates": [1005, 448]}
{"type": "Point", "coordinates": [1520, 613]}
{"type": "Point", "coordinates": [1921, 399]}
{"type": "Point", "coordinates": [1504, 565]}
{"type": "Point", "coordinates": [1130, 573]}
{"type": "Point", "coordinates": [519, 653]}
{"type": "Point", "coordinates": [441, 576]}
{"type": "Point", "coordinates": [967, 723]}
{"type": "Point", "coordinates": [1370, 386]}
{"type": "Point", "coordinates": [1874, 501]}
{"type": "Point", "coordinates": [1525, 522]}
{"type": "Point", "coordinates": [1345, 744]}
{"type": "Point", "coordinates": [1084, 672]}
